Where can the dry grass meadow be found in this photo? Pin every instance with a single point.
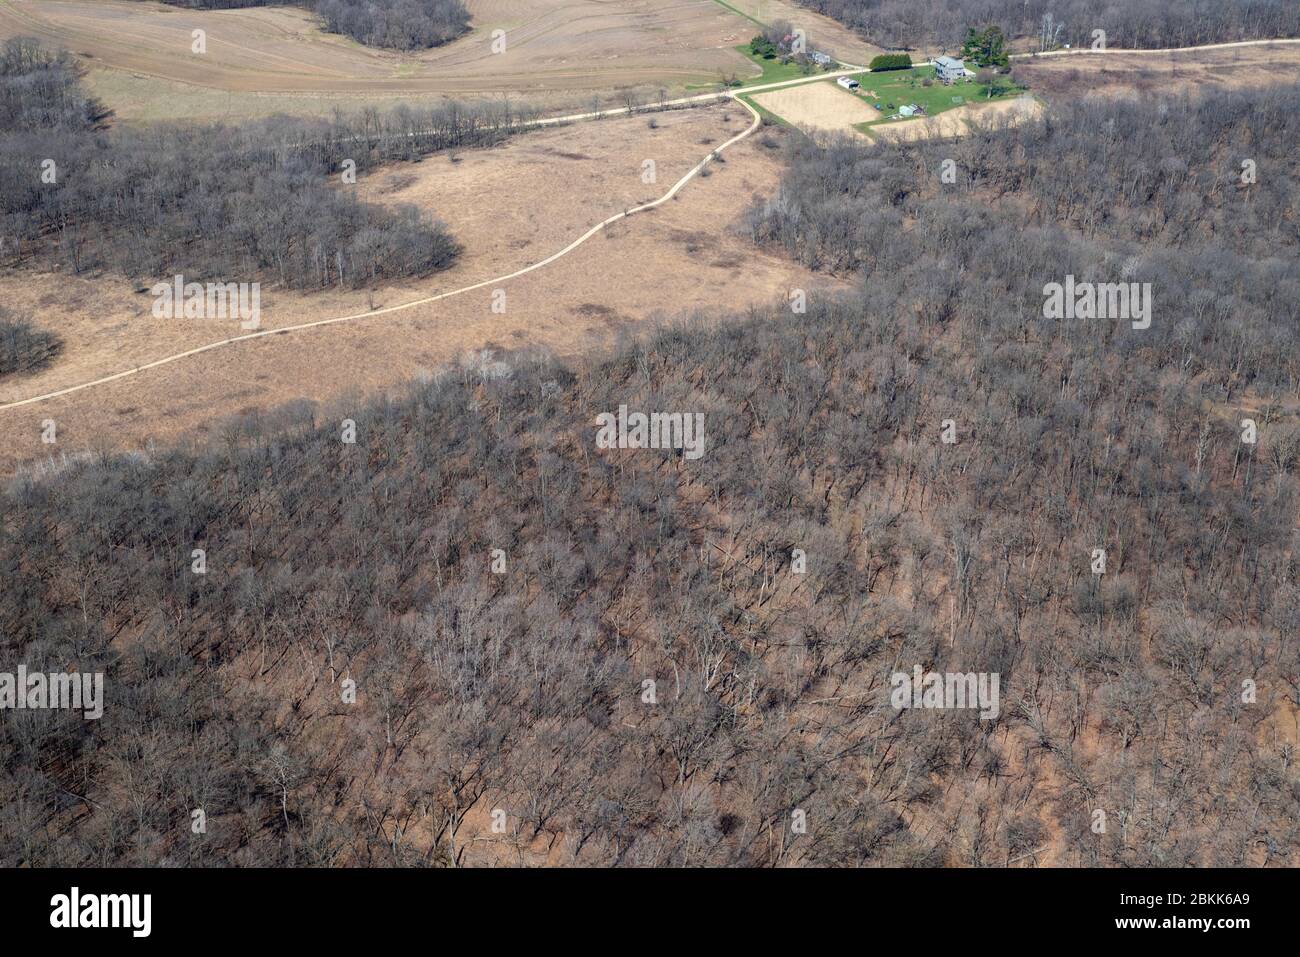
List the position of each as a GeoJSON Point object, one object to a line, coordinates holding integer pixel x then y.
{"type": "Point", "coordinates": [958, 120]}
{"type": "Point", "coordinates": [1202, 71]}
{"type": "Point", "coordinates": [684, 256]}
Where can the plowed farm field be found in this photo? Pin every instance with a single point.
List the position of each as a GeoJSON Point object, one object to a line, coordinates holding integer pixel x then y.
{"type": "Point", "coordinates": [263, 60]}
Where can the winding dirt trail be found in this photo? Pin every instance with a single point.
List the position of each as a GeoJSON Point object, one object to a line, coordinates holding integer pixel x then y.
{"type": "Point", "coordinates": [495, 281]}
{"type": "Point", "coordinates": [594, 230]}
{"type": "Point", "coordinates": [699, 100]}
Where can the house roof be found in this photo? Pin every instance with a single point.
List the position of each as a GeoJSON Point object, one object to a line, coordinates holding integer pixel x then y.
{"type": "Point", "coordinates": [950, 62]}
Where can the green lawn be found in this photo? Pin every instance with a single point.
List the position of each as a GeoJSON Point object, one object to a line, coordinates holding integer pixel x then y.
{"type": "Point", "coordinates": [906, 88]}
{"type": "Point", "coordinates": [774, 71]}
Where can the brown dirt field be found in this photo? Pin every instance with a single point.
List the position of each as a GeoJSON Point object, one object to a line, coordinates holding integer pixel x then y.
{"type": "Point", "coordinates": [510, 206]}
{"type": "Point", "coordinates": [825, 34]}
{"type": "Point", "coordinates": [818, 107]}
{"type": "Point", "coordinates": [1058, 78]}
{"type": "Point", "coordinates": [552, 46]}
{"type": "Point", "coordinates": [955, 122]}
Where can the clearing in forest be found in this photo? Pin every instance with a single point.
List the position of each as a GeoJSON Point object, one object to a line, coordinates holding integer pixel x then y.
{"type": "Point", "coordinates": [535, 194]}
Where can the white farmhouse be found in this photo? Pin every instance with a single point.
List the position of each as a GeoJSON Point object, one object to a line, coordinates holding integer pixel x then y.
{"type": "Point", "coordinates": [948, 69]}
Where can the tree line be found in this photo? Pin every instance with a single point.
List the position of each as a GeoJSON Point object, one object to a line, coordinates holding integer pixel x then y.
{"type": "Point", "coordinates": [394, 24]}
{"type": "Point", "coordinates": [471, 615]}
{"type": "Point", "coordinates": [264, 199]}
{"type": "Point", "coordinates": [1127, 23]}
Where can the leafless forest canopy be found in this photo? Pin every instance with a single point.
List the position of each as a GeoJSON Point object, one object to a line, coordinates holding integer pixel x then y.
{"type": "Point", "coordinates": [397, 24]}
{"type": "Point", "coordinates": [524, 691]}
{"type": "Point", "coordinates": [24, 348]}
{"type": "Point", "coordinates": [1128, 23]}
{"type": "Point", "coordinates": [257, 201]}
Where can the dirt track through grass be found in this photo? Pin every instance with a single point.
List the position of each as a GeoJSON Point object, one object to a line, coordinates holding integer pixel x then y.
{"type": "Point", "coordinates": [756, 122]}
{"type": "Point", "coordinates": [495, 281]}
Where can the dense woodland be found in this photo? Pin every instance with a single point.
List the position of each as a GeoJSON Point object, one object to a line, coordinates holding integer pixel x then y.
{"type": "Point", "coordinates": [396, 24]}
{"type": "Point", "coordinates": [1159, 188]}
{"type": "Point", "coordinates": [329, 562]}
{"type": "Point", "coordinates": [258, 201]}
{"type": "Point", "coordinates": [1128, 23]}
